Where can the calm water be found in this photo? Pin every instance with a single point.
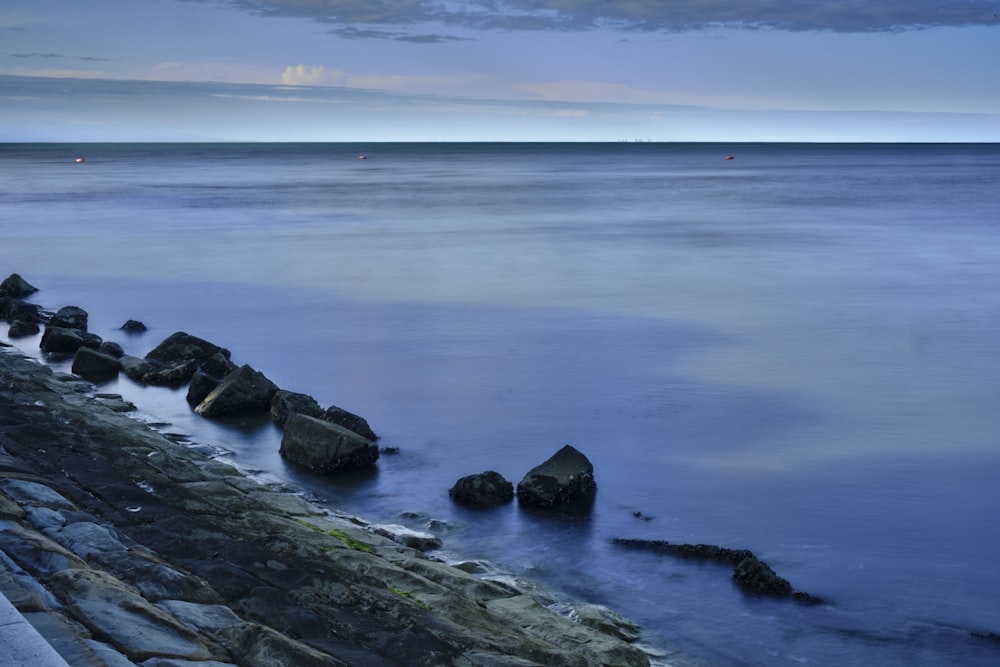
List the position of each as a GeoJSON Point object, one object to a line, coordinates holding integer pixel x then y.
{"type": "Point", "coordinates": [795, 351]}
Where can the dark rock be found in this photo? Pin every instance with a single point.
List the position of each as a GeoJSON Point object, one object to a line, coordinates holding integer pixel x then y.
{"type": "Point", "coordinates": [94, 366]}
{"type": "Point", "coordinates": [57, 340]}
{"type": "Point", "coordinates": [70, 317]}
{"type": "Point", "coordinates": [286, 403]}
{"type": "Point", "coordinates": [133, 327]}
{"type": "Point", "coordinates": [749, 572]}
{"type": "Point", "coordinates": [111, 349]}
{"type": "Point", "coordinates": [755, 576]}
{"type": "Point", "coordinates": [171, 375]}
{"type": "Point", "coordinates": [350, 421]}
{"type": "Point", "coordinates": [22, 329]}
{"type": "Point", "coordinates": [135, 367]}
{"type": "Point", "coordinates": [564, 481]}
{"type": "Point", "coordinates": [202, 384]}
{"type": "Point", "coordinates": [244, 391]}
{"type": "Point", "coordinates": [324, 446]}
{"type": "Point", "coordinates": [218, 365]}
{"type": "Point", "coordinates": [16, 286]}
{"type": "Point", "coordinates": [486, 489]}
{"type": "Point", "coordinates": [15, 309]}
{"type": "Point", "coordinates": [181, 347]}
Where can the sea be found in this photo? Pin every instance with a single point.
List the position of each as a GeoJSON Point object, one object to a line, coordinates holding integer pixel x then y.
{"type": "Point", "coordinates": [787, 348]}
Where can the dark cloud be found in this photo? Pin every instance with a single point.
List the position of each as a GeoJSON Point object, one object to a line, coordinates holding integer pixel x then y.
{"type": "Point", "coordinates": [630, 15]}
{"type": "Point", "coordinates": [351, 32]}
{"type": "Point", "coordinates": [35, 54]}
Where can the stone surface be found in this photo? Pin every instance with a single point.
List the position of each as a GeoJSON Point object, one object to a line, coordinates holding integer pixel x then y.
{"type": "Point", "coordinates": [286, 403]}
{"type": "Point", "coordinates": [16, 286]}
{"type": "Point", "coordinates": [133, 327]}
{"type": "Point", "coordinates": [94, 366]}
{"type": "Point", "coordinates": [59, 340]}
{"type": "Point", "coordinates": [244, 391]}
{"type": "Point", "coordinates": [22, 329]}
{"type": "Point", "coordinates": [565, 481]}
{"type": "Point", "coordinates": [350, 421]}
{"type": "Point", "coordinates": [325, 447]}
{"type": "Point", "coordinates": [70, 317]}
{"type": "Point", "coordinates": [485, 489]}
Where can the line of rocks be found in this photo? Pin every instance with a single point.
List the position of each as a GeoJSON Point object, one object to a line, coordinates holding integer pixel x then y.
{"type": "Point", "coordinates": [749, 572]}
{"type": "Point", "coordinates": [125, 547]}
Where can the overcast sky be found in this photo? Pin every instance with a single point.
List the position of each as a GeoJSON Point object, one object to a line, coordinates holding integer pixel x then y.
{"type": "Point", "coordinates": [341, 70]}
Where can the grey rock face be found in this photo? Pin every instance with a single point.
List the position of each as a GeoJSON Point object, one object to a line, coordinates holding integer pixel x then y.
{"type": "Point", "coordinates": [325, 447]}
{"type": "Point", "coordinates": [16, 286]}
{"type": "Point", "coordinates": [285, 403]}
{"type": "Point", "coordinates": [70, 317]}
{"type": "Point", "coordinates": [57, 340]}
{"type": "Point", "coordinates": [22, 329]}
{"type": "Point", "coordinates": [565, 481]}
{"type": "Point", "coordinates": [350, 421]}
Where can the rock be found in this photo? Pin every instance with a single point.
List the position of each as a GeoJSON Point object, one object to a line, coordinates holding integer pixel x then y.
{"type": "Point", "coordinates": [485, 489]}
{"type": "Point", "coordinates": [244, 391]}
{"type": "Point", "coordinates": [414, 539]}
{"type": "Point", "coordinates": [22, 329]}
{"type": "Point", "coordinates": [325, 447]}
{"type": "Point", "coordinates": [286, 403]}
{"type": "Point", "coordinates": [350, 421]}
{"type": "Point", "coordinates": [111, 349]}
{"type": "Point", "coordinates": [135, 367]}
{"type": "Point", "coordinates": [57, 340]}
{"type": "Point", "coordinates": [181, 347]}
{"type": "Point", "coordinates": [218, 365]}
{"type": "Point", "coordinates": [756, 576]}
{"type": "Point", "coordinates": [16, 286]}
{"type": "Point", "coordinates": [173, 375]}
{"type": "Point", "coordinates": [15, 309]}
{"type": "Point", "coordinates": [70, 317]}
{"type": "Point", "coordinates": [202, 384]}
{"type": "Point", "coordinates": [133, 327]}
{"type": "Point", "coordinates": [94, 366]}
{"type": "Point", "coordinates": [564, 481]}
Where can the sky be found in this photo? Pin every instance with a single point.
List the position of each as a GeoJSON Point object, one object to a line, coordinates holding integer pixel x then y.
{"type": "Point", "coordinates": [500, 70]}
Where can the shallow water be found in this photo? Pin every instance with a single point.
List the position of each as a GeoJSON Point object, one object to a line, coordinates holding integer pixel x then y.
{"type": "Point", "coordinates": [792, 352]}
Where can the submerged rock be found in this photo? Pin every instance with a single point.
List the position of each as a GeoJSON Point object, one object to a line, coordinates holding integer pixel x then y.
{"type": "Point", "coordinates": [22, 329]}
{"type": "Point", "coordinates": [133, 327]}
{"type": "Point", "coordinates": [485, 489]}
{"type": "Point", "coordinates": [325, 447]}
{"type": "Point", "coordinates": [564, 481]}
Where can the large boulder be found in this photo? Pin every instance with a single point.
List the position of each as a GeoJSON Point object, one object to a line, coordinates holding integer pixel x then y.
{"type": "Point", "coordinates": [16, 286]}
{"type": "Point", "coordinates": [756, 576]}
{"type": "Point", "coordinates": [95, 366]}
{"type": "Point", "coordinates": [485, 489]}
{"type": "Point", "coordinates": [208, 376]}
{"type": "Point", "coordinates": [285, 403]}
{"type": "Point", "coordinates": [350, 421]}
{"type": "Point", "coordinates": [15, 309]}
{"type": "Point", "coordinates": [135, 367]}
{"type": "Point", "coordinates": [244, 391]}
{"type": "Point", "coordinates": [564, 482]}
{"type": "Point", "coordinates": [70, 317]}
{"type": "Point", "coordinates": [325, 447]}
{"type": "Point", "coordinates": [57, 340]}
{"type": "Point", "coordinates": [22, 329]}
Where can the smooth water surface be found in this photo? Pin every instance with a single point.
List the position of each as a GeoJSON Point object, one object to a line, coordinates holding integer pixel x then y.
{"type": "Point", "coordinates": [794, 351]}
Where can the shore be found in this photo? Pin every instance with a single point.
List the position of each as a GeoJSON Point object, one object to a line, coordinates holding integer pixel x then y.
{"type": "Point", "coordinates": [122, 546]}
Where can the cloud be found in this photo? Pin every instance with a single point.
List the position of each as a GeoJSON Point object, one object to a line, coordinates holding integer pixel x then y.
{"type": "Point", "coordinates": [351, 32]}
{"type": "Point", "coordinates": [634, 15]}
{"type": "Point", "coordinates": [312, 75]}
{"type": "Point", "coordinates": [34, 54]}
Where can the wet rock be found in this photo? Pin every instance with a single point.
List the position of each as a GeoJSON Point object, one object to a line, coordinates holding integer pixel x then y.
{"type": "Point", "coordinates": [181, 347]}
{"type": "Point", "coordinates": [135, 367]}
{"type": "Point", "coordinates": [16, 286]}
{"type": "Point", "coordinates": [22, 329]}
{"type": "Point", "coordinates": [94, 366]}
{"type": "Point", "coordinates": [58, 340]}
{"type": "Point", "coordinates": [170, 375]}
{"type": "Point", "coordinates": [15, 309]}
{"type": "Point", "coordinates": [244, 391]}
{"type": "Point", "coordinates": [202, 384]}
{"type": "Point", "coordinates": [70, 317]}
{"type": "Point", "coordinates": [325, 447]}
{"type": "Point", "coordinates": [756, 576]}
{"type": "Point", "coordinates": [133, 327]}
{"type": "Point", "coordinates": [350, 421]}
{"type": "Point", "coordinates": [111, 349]}
{"type": "Point", "coordinates": [408, 537]}
{"type": "Point", "coordinates": [565, 481]}
{"type": "Point", "coordinates": [485, 489]}
{"type": "Point", "coordinates": [286, 403]}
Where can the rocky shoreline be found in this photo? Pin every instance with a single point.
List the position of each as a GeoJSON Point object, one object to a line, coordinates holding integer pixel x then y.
{"type": "Point", "coordinates": [123, 546]}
